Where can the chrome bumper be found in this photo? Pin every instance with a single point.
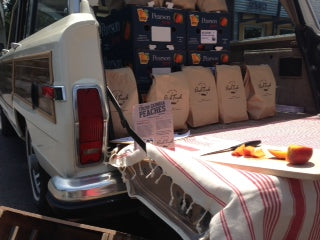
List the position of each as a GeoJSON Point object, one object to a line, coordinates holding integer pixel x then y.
{"type": "Point", "coordinates": [86, 188]}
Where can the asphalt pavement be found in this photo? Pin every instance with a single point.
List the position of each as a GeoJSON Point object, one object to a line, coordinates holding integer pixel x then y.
{"type": "Point", "coordinates": [15, 190]}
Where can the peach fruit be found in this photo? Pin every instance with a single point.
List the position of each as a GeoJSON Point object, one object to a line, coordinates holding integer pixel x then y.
{"type": "Point", "coordinates": [279, 154]}
{"type": "Point", "coordinates": [299, 154]}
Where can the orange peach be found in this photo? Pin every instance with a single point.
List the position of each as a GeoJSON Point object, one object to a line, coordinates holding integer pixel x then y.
{"type": "Point", "coordinates": [299, 154]}
{"type": "Point", "coordinates": [279, 154]}
{"type": "Point", "coordinates": [250, 151]}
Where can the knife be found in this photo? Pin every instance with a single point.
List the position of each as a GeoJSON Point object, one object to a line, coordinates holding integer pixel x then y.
{"type": "Point", "coordinates": [253, 143]}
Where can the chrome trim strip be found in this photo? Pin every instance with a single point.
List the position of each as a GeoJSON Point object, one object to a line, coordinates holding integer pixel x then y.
{"type": "Point", "coordinates": [76, 121]}
{"type": "Point", "coordinates": [86, 188]}
{"type": "Point", "coordinates": [62, 89]}
{"type": "Point", "coordinates": [60, 93]}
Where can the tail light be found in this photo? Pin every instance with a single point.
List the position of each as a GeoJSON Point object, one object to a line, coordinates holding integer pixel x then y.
{"type": "Point", "coordinates": [48, 92]}
{"type": "Point", "coordinates": [90, 125]}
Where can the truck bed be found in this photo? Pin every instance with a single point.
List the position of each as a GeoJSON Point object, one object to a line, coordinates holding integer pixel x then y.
{"type": "Point", "coordinates": [282, 129]}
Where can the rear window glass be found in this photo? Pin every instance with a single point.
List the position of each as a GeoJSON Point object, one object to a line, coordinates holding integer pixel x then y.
{"type": "Point", "coordinates": [49, 12]}
{"type": "Point", "coordinates": [315, 5]}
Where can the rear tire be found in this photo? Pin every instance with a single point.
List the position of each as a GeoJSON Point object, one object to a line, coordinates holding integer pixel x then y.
{"type": "Point", "coordinates": [6, 127]}
{"type": "Point", "coordinates": [38, 178]}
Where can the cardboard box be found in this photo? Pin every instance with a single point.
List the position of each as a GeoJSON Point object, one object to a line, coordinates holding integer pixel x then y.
{"type": "Point", "coordinates": [206, 31]}
{"type": "Point", "coordinates": [139, 26]}
{"type": "Point", "coordinates": [20, 225]}
{"type": "Point", "coordinates": [114, 60]}
{"type": "Point", "coordinates": [148, 62]}
{"type": "Point", "coordinates": [207, 58]}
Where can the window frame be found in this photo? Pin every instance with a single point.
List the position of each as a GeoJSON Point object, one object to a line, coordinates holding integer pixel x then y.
{"type": "Point", "coordinates": [3, 35]}
{"type": "Point", "coordinates": [306, 15]}
{"type": "Point", "coordinates": [314, 14]}
{"type": "Point", "coordinates": [23, 20]}
{"type": "Point", "coordinates": [44, 6]}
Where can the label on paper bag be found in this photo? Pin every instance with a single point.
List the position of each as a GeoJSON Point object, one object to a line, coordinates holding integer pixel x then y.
{"type": "Point", "coordinates": [153, 122]}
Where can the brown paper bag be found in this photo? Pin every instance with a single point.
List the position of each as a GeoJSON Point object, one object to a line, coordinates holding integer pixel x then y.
{"type": "Point", "coordinates": [184, 4]}
{"type": "Point", "coordinates": [260, 86]}
{"type": "Point", "coordinates": [122, 84]}
{"type": "Point", "coordinates": [212, 5]}
{"type": "Point", "coordinates": [173, 87]}
{"type": "Point", "coordinates": [203, 99]}
{"type": "Point", "coordinates": [231, 94]}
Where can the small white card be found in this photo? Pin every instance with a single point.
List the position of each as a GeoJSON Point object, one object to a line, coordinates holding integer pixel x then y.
{"type": "Point", "coordinates": [209, 36]}
{"type": "Point", "coordinates": [160, 34]}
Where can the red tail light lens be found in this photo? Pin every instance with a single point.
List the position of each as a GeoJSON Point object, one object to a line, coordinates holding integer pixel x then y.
{"type": "Point", "coordinates": [90, 125]}
{"type": "Point", "coordinates": [48, 92]}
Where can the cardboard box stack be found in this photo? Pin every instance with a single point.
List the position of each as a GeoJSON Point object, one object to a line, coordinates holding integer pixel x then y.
{"type": "Point", "coordinates": [149, 39]}
{"type": "Point", "coordinates": [208, 38]}
{"type": "Point", "coordinates": [160, 40]}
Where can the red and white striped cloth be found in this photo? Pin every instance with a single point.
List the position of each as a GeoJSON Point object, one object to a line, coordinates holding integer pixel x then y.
{"type": "Point", "coordinates": [244, 205]}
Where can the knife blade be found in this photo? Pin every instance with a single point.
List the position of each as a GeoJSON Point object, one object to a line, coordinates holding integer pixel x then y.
{"type": "Point", "coordinates": [253, 143]}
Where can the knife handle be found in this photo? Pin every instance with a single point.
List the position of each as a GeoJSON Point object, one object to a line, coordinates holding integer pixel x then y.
{"type": "Point", "coordinates": [253, 143]}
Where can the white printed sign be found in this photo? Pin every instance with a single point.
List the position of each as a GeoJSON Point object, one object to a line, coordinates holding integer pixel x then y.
{"type": "Point", "coordinates": [153, 122]}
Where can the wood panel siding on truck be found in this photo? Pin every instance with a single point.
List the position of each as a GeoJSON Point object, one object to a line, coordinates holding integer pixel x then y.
{"type": "Point", "coordinates": [35, 69]}
{"type": "Point", "coordinates": [6, 77]}
{"type": "Point", "coordinates": [6, 81]}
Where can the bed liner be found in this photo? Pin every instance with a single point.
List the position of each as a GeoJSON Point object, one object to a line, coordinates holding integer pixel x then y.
{"type": "Point", "coordinates": [282, 129]}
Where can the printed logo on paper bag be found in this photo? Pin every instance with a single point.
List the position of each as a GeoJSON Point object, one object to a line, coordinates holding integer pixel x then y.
{"type": "Point", "coordinates": [173, 96]}
{"type": "Point", "coordinates": [202, 89]}
{"type": "Point", "coordinates": [196, 58]}
{"type": "Point", "coordinates": [233, 88]}
{"type": "Point", "coordinates": [143, 15]}
{"type": "Point", "coordinates": [144, 57]}
{"type": "Point", "coordinates": [121, 97]}
{"type": "Point", "coordinates": [265, 86]}
{"type": "Point", "coordinates": [194, 20]}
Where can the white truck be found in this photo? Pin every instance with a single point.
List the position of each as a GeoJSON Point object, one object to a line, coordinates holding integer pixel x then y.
{"type": "Point", "coordinates": [53, 94]}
